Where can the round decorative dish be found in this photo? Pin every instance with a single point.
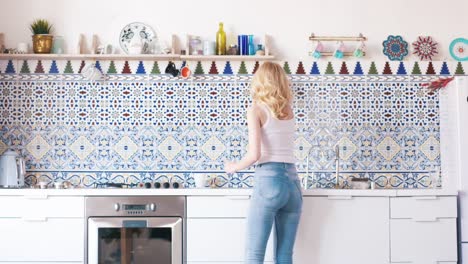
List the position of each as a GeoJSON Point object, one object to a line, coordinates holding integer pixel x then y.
{"type": "Point", "coordinates": [459, 49]}
{"type": "Point", "coordinates": [395, 48]}
{"type": "Point", "coordinates": [137, 38]}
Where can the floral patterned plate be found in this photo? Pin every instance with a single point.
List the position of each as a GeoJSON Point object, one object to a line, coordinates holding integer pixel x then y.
{"type": "Point", "coordinates": [136, 37]}
{"type": "Point", "coordinates": [395, 48]}
{"type": "Point", "coordinates": [425, 48]}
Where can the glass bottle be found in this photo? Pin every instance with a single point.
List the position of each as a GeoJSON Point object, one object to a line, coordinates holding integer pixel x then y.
{"type": "Point", "coordinates": [260, 51]}
{"type": "Point", "coordinates": [221, 41]}
{"type": "Point", "coordinates": [251, 45]}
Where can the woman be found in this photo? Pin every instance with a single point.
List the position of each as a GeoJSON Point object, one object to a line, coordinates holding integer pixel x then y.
{"type": "Point", "coordinates": [277, 196]}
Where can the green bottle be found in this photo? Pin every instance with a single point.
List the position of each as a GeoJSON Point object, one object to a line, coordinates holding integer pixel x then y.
{"type": "Point", "coordinates": [221, 41]}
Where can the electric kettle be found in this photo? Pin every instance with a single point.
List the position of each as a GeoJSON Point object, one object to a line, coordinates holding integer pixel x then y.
{"type": "Point", "coordinates": [12, 170]}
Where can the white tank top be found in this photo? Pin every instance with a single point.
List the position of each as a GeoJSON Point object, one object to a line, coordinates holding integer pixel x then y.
{"type": "Point", "coordinates": [277, 139]}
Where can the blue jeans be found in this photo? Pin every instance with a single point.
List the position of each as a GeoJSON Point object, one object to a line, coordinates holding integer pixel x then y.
{"type": "Point", "coordinates": [276, 198]}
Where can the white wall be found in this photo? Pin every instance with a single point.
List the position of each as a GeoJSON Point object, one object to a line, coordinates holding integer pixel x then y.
{"type": "Point", "coordinates": [288, 22]}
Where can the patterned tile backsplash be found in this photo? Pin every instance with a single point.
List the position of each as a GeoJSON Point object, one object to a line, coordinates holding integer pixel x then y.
{"type": "Point", "coordinates": [139, 125]}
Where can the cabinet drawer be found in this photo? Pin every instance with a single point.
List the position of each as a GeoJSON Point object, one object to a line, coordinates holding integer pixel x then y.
{"type": "Point", "coordinates": [219, 240]}
{"type": "Point", "coordinates": [423, 242]}
{"type": "Point", "coordinates": [42, 239]}
{"type": "Point", "coordinates": [423, 208]}
{"type": "Point", "coordinates": [222, 206]}
{"type": "Point", "coordinates": [41, 206]}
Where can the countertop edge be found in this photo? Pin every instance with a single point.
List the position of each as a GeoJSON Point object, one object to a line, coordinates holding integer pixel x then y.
{"type": "Point", "coordinates": [219, 192]}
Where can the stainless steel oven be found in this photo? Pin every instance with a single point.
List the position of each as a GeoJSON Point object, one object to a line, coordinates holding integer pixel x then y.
{"type": "Point", "coordinates": [135, 230]}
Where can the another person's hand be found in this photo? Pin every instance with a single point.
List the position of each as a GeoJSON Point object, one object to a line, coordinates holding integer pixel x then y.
{"type": "Point", "coordinates": [230, 167]}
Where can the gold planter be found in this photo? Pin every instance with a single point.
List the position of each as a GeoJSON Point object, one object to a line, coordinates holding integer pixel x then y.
{"type": "Point", "coordinates": [42, 43]}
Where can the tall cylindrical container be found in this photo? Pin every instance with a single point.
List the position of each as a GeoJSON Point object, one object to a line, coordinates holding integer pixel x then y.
{"type": "Point", "coordinates": [221, 40]}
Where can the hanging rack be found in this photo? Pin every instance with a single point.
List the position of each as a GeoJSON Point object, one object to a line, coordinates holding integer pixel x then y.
{"type": "Point", "coordinates": [337, 38]}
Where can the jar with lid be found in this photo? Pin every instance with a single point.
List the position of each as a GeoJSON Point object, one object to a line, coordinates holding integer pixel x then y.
{"type": "Point", "coordinates": [260, 50]}
{"type": "Point", "coordinates": [232, 50]}
{"type": "Point", "coordinates": [195, 46]}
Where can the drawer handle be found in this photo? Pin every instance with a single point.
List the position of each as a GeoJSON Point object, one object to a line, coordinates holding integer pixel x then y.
{"type": "Point", "coordinates": [242, 197]}
{"type": "Point", "coordinates": [35, 219]}
{"type": "Point", "coordinates": [336, 197]}
{"type": "Point", "coordinates": [36, 197]}
{"type": "Point", "coordinates": [426, 220]}
{"type": "Point", "coordinates": [426, 198]}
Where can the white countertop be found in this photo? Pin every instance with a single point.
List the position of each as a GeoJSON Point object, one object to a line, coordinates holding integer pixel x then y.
{"type": "Point", "coordinates": [219, 192]}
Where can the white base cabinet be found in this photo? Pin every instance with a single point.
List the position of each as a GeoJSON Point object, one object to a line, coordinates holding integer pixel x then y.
{"type": "Point", "coordinates": [423, 230]}
{"type": "Point", "coordinates": [337, 230]}
{"type": "Point", "coordinates": [333, 230]}
{"type": "Point", "coordinates": [42, 230]}
{"type": "Point", "coordinates": [216, 228]}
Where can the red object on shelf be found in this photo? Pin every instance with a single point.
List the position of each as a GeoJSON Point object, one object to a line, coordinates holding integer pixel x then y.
{"type": "Point", "coordinates": [439, 83]}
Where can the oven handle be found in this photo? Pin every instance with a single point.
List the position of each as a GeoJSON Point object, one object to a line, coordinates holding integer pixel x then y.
{"type": "Point", "coordinates": [135, 223]}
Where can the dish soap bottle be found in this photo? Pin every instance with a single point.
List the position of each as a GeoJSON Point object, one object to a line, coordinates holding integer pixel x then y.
{"type": "Point", "coordinates": [221, 41]}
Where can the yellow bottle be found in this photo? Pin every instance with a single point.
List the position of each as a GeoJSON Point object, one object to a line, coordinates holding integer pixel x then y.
{"type": "Point", "coordinates": [221, 41]}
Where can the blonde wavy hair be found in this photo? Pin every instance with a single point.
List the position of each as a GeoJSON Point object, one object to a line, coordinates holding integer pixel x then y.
{"type": "Point", "coordinates": [270, 85]}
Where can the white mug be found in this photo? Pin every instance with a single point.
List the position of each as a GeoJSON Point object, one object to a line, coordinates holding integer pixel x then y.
{"type": "Point", "coordinates": [200, 180]}
{"type": "Point", "coordinates": [91, 73]}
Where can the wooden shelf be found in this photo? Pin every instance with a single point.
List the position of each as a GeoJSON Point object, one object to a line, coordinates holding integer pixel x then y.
{"type": "Point", "coordinates": [226, 58]}
{"type": "Point", "coordinates": [143, 57]}
{"type": "Point", "coordinates": [97, 57]}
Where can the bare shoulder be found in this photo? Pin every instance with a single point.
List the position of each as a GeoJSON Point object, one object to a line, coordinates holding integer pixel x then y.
{"type": "Point", "coordinates": [254, 111]}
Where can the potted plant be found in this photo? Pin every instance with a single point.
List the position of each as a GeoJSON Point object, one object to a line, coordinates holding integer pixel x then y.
{"type": "Point", "coordinates": [42, 39]}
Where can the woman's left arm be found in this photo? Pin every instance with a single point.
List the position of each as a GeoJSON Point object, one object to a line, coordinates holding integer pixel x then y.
{"type": "Point", "coordinates": [254, 151]}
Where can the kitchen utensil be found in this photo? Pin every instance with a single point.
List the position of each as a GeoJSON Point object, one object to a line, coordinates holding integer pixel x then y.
{"type": "Point", "coordinates": [360, 183]}
{"type": "Point", "coordinates": [12, 170]}
{"type": "Point", "coordinates": [137, 38]}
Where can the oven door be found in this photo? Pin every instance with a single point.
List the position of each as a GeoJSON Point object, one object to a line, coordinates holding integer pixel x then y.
{"type": "Point", "coordinates": [135, 240]}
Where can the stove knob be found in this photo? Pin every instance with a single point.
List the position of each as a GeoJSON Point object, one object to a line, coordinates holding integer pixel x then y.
{"type": "Point", "coordinates": [157, 185]}
{"type": "Point", "coordinates": [175, 185]}
{"type": "Point", "coordinates": [116, 207]}
{"type": "Point", "coordinates": [166, 185]}
{"type": "Point", "coordinates": [148, 185]}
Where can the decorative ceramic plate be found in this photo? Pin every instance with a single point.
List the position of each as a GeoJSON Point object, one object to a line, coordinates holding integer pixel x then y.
{"type": "Point", "coordinates": [459, 49]}
{"type": "Point", "coordinates": [395, 48]}
{"type": "Point", "coordinates": [425, 48]}
{"type": "Point", "coordinates": [135, 35]}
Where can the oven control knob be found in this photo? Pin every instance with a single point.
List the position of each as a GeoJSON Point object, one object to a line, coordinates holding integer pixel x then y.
{"type": "Point", "coordinates": [157, 185]}
{"type": "Point", "coordinates": [175, 185]}
{"type": "Point", "coordinates": [116, 207]}
{"type": "Point", "coordinates": [152, 207]}
{"type": "Point", "coordinates": [166, 185]}
{"type": "Point", "coordinates": [148, 185]}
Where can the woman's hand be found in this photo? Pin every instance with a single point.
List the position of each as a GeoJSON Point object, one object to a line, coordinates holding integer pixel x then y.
{"type": "Point", "coordinates": [230, 167]}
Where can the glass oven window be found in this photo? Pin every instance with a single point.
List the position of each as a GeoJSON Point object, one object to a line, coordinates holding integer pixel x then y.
{"type": "Point", "coordinates": [148, 245]}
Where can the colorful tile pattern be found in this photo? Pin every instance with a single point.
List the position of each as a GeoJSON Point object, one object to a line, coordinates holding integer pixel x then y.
{"type": "Point", "coordinates": [148, 126]}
